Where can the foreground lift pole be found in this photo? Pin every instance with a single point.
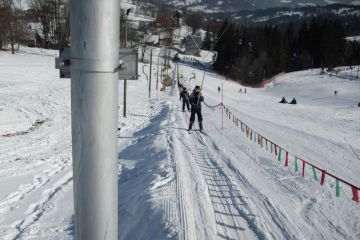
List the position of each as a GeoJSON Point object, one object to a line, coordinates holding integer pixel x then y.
{"type": "Point", "coordinates": [125, 81]}
{"type": "Point", "coordinates": [222, 105]}
{"type": "Point", "coordinates": [94, 97]}
{"type": "Point", "coordinates": [157, 75]}
{"type": "Point", "coordinates": [151, 56]}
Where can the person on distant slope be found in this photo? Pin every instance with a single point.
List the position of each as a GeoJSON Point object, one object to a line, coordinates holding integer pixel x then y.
{"type": "Point", "coordinates": [185, 97]}
{"type": "Point", "coordinates": [195, 101]}
{"type": "Point", "coordinates": [293, 101]}
{"type": "Point", "coordinates": [335, 93]}
{"type": "Point", "coordinates": [219, 89]}
{"type": "Point", "coordinates": [359, 104]}
{"type": "Point", "coordinates": [283, 100]}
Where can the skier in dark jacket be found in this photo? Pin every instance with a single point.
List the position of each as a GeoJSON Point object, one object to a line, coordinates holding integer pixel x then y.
{"type": "Point", "coordinates": [185, 97]}
{"type": "Point", "coordinates": [181, 89]}
{"type": "Point", "coordinates": [283, 100]}
{"type": "Point", "coordinates": [293, 101]}
{"type": "Point", "coordinates": [195, 101]}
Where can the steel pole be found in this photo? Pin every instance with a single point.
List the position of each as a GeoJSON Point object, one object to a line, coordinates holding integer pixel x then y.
{"type": "Point", "coordinates": [94, 96]}
{"type": "Point", "coordinates": [157, 75]}
{"type": "Point", "coordinates": [177, 70]}
{"type": "Point", "coordinates": [222, 101]}
{"type": "Point", "coordinates": [125, 89]}
{"type": "Point", "coordinates": [151, 55]}
{"type": "Point", "coordinates": [125, 81]}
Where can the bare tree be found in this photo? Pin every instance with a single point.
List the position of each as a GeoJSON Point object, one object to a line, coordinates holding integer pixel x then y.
{"type": "Point", "coordinates": [11, 25]}
{"type": "Point", "coordinates": [5, 14]}
{"type": "Point", "coordinates": [53, 15]}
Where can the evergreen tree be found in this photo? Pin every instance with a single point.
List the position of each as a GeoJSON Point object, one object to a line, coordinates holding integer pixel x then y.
{"type": "Point", "coordinates": [208, 41]}
{"type": "Point", "coordinates": [334, 44]}
{"type": "Point", "coordinates": [251, 54]}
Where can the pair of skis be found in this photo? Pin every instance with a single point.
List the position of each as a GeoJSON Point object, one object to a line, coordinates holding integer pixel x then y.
{"type": "Point", "coordinates": [198, 130]}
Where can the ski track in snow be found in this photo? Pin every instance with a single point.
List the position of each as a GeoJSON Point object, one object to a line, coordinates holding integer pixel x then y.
{"type": "Point", "coordinates": [40, 209]}
{"type": "Point", "coordinates": [355, 152]}
{"type": "Point", "coordinates": [229, 219]}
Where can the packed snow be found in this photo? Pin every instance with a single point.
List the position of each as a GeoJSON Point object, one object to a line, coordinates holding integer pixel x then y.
{"type": "Point", "coordinates": [175, 185]}
{"type": "Point", "coordinates": [353, 38]}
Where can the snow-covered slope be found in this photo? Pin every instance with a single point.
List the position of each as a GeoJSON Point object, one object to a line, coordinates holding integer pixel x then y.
{"type": "Point", "coordinates": [36, 199]}
{"type": "Point", "coordinates": [176, 185]}
{"type": "Point", "coordinates": [283, 205]}
{"type": "Point", "coordinates": [35, 158]}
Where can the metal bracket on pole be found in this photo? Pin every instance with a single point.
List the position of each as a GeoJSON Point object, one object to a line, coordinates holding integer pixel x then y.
{"type": "Point", "coordinates": [127, 67]}
{"type": "Point", "coordinates": [63, 62]}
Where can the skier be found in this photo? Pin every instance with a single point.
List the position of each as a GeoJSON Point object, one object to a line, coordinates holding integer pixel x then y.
{"type": "Point", "coordinates": [195, 101]}
{"type": "Point", "coordinates": [240, 91]}
{"type": "Point", "coordinates": [181, 89]}
{"type": "Point", "coordinates": [244, 90]}
{"type": "Point", "coordinates": [185, 97]}
{"type": "Point", "coordinates": [335, 93]}
{"type": "Point", "coordinates": [283, 100]}
{"type": "Point", "coordinates": [293, 101]}
{"type": "Point", "coordinates": [359, 104]}
{"type": "Point", "coordinates": [219, 89]}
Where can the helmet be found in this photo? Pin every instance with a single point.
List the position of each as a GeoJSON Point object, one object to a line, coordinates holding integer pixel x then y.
{"type": "Point", "coordinates": [197, 89]}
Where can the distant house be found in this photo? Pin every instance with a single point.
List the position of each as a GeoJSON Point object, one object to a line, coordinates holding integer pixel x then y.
{"type": "Point", "coordinates": [165, 38]}
{"type": "Point", "coordinates": [151, 39]}
{"type": "Point", "coordinates": [193, 44]}
{"type": "Point", "coordinates": [33, 34]}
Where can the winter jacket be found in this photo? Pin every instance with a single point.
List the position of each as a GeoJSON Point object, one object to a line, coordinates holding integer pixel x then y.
{"type": "Point", "coordinates": [195, 100]}
{"type": "Point", "coordinates": [180, 92]}
{"type": "Point", "coordinates": [293, 101]}
{"type": "Point", "coordinates": [185, 95]}
{"type": "Point", "coordinates": [283, 100]}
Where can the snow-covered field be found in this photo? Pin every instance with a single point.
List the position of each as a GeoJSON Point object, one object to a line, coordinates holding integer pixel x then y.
{"type": "Point", "coordinates": [176, 185]}
{"type": "Point", "coordinates": [35, 158]}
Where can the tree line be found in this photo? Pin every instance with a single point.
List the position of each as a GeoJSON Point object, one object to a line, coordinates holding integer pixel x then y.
{"type": "Point", "coordinates": [54, 18]}
{"type": "Point", "coordinates": [253, 53]}
{"type": "Point", "coordinates": [52, 15]}
{"type": "Point", "coordinates": [11, 28]}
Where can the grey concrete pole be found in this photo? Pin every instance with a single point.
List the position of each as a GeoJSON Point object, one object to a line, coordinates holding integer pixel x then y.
{"type": "Point", "coordinates": [125, 81]}
{"type": "Point", "coordinates": [222, 107]}
{"type": "Point", "coordinates": [125, 89]}
{"type": "Point", "coordinates": [177, 70]}
{"type": "Point", "coordinates": [150, 75]}
{"type": "Point", "coordinates": [94, 97]}
{"type": "Point", "coordinates": [157, 75]}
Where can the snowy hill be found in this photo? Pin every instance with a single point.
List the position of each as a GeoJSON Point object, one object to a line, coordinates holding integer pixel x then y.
{"type": "Point", "coordinates": [236, 5]}
{"type": "Point", "coordinates": [347, 15]}
{"type": "Point", "coordinates": [329, 11]}
{"type": "Point", "coordinates": [176, 185]}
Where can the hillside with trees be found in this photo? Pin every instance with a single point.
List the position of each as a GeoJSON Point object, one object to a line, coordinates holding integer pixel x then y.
{"type": "Point", "coordinates": [348, 15]}
{"type": "Point", "coordinates": [251, 54]}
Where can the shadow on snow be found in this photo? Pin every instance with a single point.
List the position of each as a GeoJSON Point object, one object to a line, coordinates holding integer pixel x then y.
{"type": "Point", "coordinates": [138, 216]}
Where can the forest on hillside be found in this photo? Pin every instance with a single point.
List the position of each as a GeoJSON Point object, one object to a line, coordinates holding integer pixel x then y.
{"type": "Point", "coordinates": [251, 54]}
